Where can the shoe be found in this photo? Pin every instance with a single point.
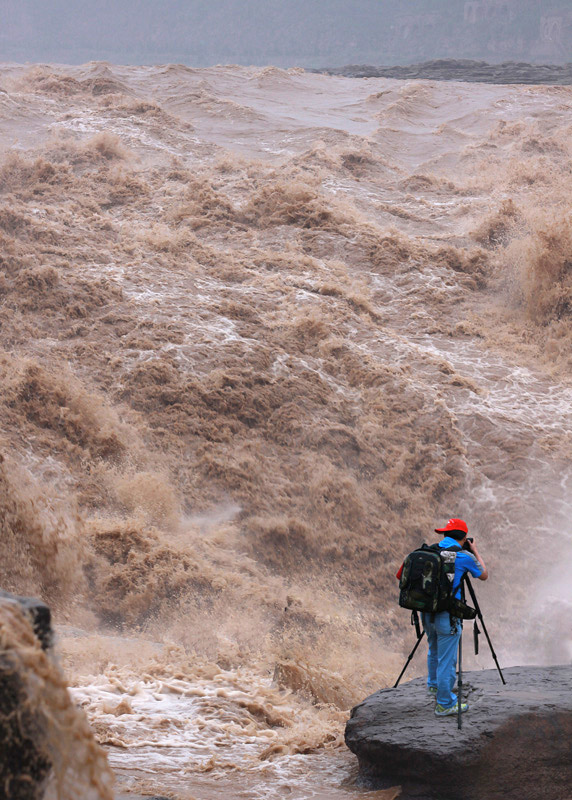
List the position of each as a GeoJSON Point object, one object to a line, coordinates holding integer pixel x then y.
{"type": "Point", "coordinates": [441, 711]}
{"type": "Point", "coordinates": [432, 690]}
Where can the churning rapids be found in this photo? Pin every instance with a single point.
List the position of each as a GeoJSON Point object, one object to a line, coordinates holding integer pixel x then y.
{"type": "Point", "coordinates": [260, 330]}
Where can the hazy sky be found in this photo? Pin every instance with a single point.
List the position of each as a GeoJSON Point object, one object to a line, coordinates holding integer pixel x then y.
{"type": "Point", "coordinates": [283, 32]}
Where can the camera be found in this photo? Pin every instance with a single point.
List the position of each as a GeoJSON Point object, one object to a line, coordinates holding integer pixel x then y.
{"type": "Point", "coordinates": [466, 546]}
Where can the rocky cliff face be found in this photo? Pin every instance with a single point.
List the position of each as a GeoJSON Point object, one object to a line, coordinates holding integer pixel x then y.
{"type": "Point", "coordinates": [494, 30]}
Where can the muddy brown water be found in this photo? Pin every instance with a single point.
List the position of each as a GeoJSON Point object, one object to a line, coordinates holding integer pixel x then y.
{"type": "Point", "coordinates": [260, 331]}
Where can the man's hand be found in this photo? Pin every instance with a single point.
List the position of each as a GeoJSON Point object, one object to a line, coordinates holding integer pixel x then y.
{"type": "Point", "coordinates": [473, 548]}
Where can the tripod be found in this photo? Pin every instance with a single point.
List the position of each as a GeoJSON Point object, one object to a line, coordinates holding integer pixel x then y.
{"type": "Point", "coordinates": [476, 633]}
{"type": "Point", "coordinates": [420, 635]}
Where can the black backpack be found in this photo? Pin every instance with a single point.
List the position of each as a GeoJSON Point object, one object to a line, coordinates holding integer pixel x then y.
{"type": "Point", "coordinates": [426, 582]}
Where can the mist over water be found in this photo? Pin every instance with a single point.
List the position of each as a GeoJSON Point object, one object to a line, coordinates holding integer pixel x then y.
{"type": "Point", "coordinates": [323, 33]}
{"type": "Point", "coordinates": [260, 331]}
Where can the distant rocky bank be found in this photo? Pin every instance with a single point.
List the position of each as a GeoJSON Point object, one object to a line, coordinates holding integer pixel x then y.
{"type": "Point", "coordinates": [515, 743]}
{"type": "Point", "coordinates": [464, 70]}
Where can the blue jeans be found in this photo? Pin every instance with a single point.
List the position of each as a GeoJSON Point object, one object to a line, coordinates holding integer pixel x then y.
{"type": "Point", "coordinates": [443, 639]}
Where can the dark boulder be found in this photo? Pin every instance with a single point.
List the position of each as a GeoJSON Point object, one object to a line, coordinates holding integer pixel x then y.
{"type": "Point", "coordinates": [24, 767]}
{"type": "Point", "coordinates": [39, 615]}
{"type": "Point", "coordinates": [516, 740]}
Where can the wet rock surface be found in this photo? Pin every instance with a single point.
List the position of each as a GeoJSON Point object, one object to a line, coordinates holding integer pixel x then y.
{"type": "Point", "coordinates": [38, 613]}
{"type": "Point", "coordinates": [516, 740]}
{"type": "Point", "coordinates": [464, 70]}
{"type": "Point", "coordinates": [23, 763]}
{"type": "Point", "coordinates": [23, 766]}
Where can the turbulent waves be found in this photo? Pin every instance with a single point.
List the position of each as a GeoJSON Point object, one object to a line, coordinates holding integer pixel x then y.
{"type": "Point", "coordinates": [259, 332]}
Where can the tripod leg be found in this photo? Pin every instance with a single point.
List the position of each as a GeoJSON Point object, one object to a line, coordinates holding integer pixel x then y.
{"type": "Point", "coordinates": [494, 655]}
{"type": "Point", "coordinates": [460, 685]}
{"type": "Point", "coordinates": [396, 684]}
{"type": "Point", "coordinates": [480, 616]}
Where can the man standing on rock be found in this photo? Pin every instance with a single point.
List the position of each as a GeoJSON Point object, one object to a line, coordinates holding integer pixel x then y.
{"type": "Point", "coordinates": [443, 630]}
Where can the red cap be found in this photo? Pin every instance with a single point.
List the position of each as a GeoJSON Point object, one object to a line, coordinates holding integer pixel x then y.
{"type": "Point", "coordinates": [454, 525]}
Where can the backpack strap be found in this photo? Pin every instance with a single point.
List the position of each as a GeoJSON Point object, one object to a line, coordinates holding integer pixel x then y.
{"type": "Point", "coordinates": [436, 549]}
{"type": "Point", "coordinates": [456, 548]}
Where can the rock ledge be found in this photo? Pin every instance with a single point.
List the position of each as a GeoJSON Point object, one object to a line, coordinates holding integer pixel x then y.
{"type": "Point", "coordinates": [516, 740]}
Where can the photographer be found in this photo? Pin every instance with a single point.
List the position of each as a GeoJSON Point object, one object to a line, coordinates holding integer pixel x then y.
{"type": "Point", "coordinates": [443, 630]}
